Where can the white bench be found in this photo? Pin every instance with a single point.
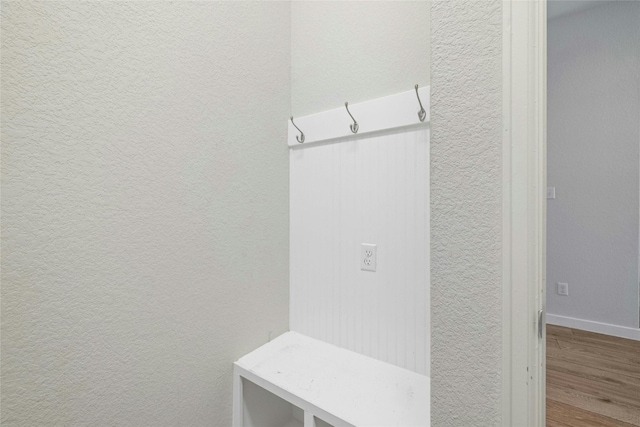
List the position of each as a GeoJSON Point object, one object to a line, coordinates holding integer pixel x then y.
{"type": "Point", "coordinates": [299, 381]}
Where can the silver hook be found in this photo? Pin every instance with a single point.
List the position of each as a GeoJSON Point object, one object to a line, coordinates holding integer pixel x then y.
{"type": "Point", "coordinates": [301, 137]}
{"type": "Point", "coordinates": [354, 127]}
{"type": "Point", "coordinates": [421, 114]}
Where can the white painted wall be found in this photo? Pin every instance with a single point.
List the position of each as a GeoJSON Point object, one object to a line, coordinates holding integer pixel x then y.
{"type": "Point", "coordinates": [356, 51]}
{"type": "Point", "coordinates": [135, 190]}
{"type": "Point", "coordinates": [367, 189]}
{"type": "Point", "coordinates": [144, 206]}
{"type": "Point", "coordinates": [558, 8]}
{"type": "Point", "coordinates": [593, 161]}
{"type": "Point", "coordinates": [466, 205]}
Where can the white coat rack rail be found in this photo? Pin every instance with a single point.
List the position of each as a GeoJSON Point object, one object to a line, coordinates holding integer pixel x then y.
{"type": "Point", "coordinates": [410, 108]}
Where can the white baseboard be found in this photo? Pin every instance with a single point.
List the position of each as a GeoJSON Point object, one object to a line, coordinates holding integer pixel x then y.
{"type": "Point", "coordinates": [591, 326]}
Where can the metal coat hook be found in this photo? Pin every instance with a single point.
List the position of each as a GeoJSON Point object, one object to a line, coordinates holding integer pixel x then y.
{"type": "Point", "coordinates": [421, 114]}
{"type": "Point", "coordinates": [354, 127]}
{"type": "Point", "coordinates": [301, 137]}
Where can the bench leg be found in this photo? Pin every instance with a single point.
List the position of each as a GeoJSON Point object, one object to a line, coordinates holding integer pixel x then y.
{"type": "Point", "coordinates": [309, 419]}
{"type": "Point", "coordinates": [238, 403]}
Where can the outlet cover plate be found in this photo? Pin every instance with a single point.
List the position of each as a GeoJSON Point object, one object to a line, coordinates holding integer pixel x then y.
{"type": "Point", "coordinates": [563, 289]}
{"type": "Point", "coordinates": [368, 257]}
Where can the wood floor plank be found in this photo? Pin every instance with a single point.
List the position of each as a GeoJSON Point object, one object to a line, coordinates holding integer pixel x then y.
{"type": "Point", "coordinates": [572, 416]}
{"type": "Point", "coordinates": [558, 330]}
{"type": "Point", "coordinates": [590, 403]}
{"type": "Point", "coordinates": [582, 356]}
{"type": "Point", "coordinates": [592, 373]}
{"type": "Point", "coordinates": [586, 336]}
{"type": "Point", "coordinates": [600, 345]}
{"type": "Point", "coordinates": [592, 379]}
{"type": "Point", "coordinates": [605, 338]}
{"type": "Point", "coordinates": [553, 423]}
{"type": "Point", "coordinates": [595, 344]}
{"type": "Point", "coordinates": [553, 342]}
{"type": "Point", "coordinates": [598, 389]}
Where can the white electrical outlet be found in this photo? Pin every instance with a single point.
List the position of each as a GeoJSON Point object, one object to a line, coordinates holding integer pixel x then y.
{"type": "Point", "coordinates": [563, 289]}
{"type": "Point", "coordinates": [368, 257]}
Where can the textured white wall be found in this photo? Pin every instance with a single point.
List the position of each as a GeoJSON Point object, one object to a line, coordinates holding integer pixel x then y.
{"type": "Point", "coordinates": [466, 181]}
{"type": "Point", "coordinates": [593, 161]}
{"type": "Point", "coordinates": [144, 206]}
{"type": "Point", "coordinates": [368, 189]}
{"type": "Point", "coordinates": [356, 51]}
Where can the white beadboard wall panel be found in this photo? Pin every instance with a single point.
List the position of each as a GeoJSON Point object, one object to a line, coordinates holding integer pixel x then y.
{"type": "Point", "coordinates": [363, 189]}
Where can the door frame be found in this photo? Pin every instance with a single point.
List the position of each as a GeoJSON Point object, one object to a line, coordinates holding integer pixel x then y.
{"type": "Point", "coordinates": [524, 211]}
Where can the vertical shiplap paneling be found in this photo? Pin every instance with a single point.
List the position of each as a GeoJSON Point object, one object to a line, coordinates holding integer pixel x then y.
{"type": "Point", "coordinates": [370, 189]}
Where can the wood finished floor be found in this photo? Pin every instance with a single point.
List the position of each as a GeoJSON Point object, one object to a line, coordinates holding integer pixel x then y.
{"type": "Point", "coordinates": [592, 379]}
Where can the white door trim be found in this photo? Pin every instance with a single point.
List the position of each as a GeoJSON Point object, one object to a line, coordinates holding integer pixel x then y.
{"type": "Point", "coordinates": [524, 211]}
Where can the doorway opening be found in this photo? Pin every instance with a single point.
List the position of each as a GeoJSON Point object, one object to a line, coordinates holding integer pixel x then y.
{"type": "Point", "coordinates": [593, 213]}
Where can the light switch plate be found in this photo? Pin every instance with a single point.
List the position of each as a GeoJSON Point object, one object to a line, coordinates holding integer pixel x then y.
{"type": "Point", "coordinates": [368, 257]}
{"type": "Point", "coordinates": [551, 192]}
